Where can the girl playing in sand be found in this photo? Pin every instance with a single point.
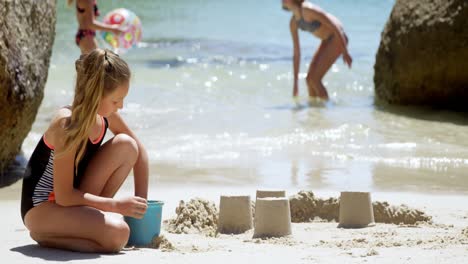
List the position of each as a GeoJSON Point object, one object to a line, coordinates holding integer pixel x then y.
{"type": "Point", "coordinates": [311, 18]}
{"type": "Point", "coordinates": [86, 13]}
{"type": "Point", "coordinates": [71, 179]}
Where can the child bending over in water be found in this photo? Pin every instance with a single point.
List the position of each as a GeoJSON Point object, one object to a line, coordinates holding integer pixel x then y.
{"type": "Point", "coordinates": [328, 29]}
{"type": "Point", "coordinates": [71, 179]}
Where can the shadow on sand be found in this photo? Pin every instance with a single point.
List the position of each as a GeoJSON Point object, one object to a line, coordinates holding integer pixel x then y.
{"type": "Point", "coordinates": [50, 254]}
{"type": "Point", "coordinates": [425, 113]}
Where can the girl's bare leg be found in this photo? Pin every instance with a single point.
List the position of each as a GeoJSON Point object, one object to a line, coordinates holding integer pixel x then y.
{"type": "Point", "coordinates": [323, 59]}
{"type": "Point", "coordinates": [76, 228]}
{"type": "Point", "coordinates": [110, 166]}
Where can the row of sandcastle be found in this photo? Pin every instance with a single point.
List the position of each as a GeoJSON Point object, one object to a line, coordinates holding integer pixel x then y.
{"type": "Point", "coordinates": [272, 216]}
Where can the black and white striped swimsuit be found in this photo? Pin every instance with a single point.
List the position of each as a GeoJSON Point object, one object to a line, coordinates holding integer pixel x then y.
{"type": "Point", "coordinates": [38, 181]}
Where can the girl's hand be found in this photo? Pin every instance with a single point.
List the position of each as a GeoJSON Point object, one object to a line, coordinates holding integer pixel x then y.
{"type": "Point", "coordinates": [347, 59]}
{"type": "Point", "coordinates": [131, 206]}
{"type": "Point", "coordinates": [117, 30]}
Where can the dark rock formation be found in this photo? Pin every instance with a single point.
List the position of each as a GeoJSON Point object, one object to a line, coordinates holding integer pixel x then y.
{"type": "Point", "coordinates": [423, 55]}
{"type": "Point", "coordinates": [27, 31]}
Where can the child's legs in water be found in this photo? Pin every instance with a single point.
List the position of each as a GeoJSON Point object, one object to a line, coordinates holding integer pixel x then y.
{"type": "Point", "coordinates": [88, 44]}
{"type": "Point", "coordinates": [323, 59]}
{"type": "Point", "coordinates": [82, 228]}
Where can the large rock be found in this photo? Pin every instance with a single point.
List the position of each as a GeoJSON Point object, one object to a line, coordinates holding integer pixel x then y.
{"type": "Point", "coordinates": [27, 31]}
{"type": "Point", "coordinates": [423, 55]}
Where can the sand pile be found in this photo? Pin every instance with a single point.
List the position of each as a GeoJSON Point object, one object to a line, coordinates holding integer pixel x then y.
{"type": "Point", "coordinates": [386, 213]}
{"type": "Point", "coordinates": [161, 242]}
{"type": "Point", "coordinates": [305, 207]}
{"type": "Point", "coordinates": [197, 216]}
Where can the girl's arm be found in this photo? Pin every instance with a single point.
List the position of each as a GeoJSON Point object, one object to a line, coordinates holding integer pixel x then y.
{"type": "Point", "coordinates": [296, 54]}
{"type": "Point", "coordinates": [65, 193]}
{"type": "Point", "coordinates": [141, 169]}
{"type": "Point", "coordinates": [91, 23]}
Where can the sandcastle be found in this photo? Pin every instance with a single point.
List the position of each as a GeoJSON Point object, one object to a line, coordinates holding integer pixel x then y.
{"type": "Point", "coordinates": [270, 193]}
{"type": "Point", "coordinates": [356, 210]}
{"type": "Point", "coordinates": [235, 214]}
{"type": "Point", "coordinates": [272, 214]}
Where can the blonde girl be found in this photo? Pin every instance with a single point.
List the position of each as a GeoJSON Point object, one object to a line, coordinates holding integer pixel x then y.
{"type": "Point", "coordinates": [71, 179]}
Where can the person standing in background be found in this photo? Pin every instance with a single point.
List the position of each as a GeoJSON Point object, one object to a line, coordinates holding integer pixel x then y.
{"type": "Point", "coordinates": [311, 18]}
{"type": "Point", "coordinates": [86, 13]}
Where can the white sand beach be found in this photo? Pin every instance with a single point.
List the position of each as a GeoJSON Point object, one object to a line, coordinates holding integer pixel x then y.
{"type": "Point", "coordinates": [445, 240]}
{"type": "Point", "coordinates": [210, 99]}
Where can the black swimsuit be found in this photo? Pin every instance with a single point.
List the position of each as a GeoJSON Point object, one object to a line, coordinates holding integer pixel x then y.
{"type": "Point", "coordinates": [310, 26]}
{"type": "Point", "coordinates": [38, 182]}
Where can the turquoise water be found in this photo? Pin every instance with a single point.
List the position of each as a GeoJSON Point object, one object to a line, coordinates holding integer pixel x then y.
{"type": "Point", "coordinates": [211, 100]}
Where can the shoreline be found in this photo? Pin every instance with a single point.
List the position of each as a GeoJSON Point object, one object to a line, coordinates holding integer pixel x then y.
{"type": "Point", "coordinates": [13, 192]}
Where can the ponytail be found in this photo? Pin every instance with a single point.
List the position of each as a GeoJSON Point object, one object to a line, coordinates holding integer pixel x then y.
{"type": "Point", "coordinates": [98, 73]}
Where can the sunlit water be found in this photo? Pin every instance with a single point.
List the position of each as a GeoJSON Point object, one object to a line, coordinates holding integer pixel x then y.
{"type": "Point", "coordinates": [211, 100]}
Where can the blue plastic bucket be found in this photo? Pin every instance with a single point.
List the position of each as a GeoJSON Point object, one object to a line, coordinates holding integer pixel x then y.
{"type": "Point", "coordinates": [143, 230]}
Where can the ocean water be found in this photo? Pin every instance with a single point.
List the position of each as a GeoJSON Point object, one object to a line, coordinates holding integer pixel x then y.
{"type": "Point", "coordinates": [211, 100]}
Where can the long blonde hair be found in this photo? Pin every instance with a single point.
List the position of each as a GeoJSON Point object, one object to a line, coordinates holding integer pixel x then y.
{"type": "Point", "coordinates": [99, 73]}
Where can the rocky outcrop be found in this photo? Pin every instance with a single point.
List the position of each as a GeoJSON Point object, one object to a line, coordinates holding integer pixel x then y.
{"type": "Point", "coordinates": [27, 31]}
{"type": "Point", "coordinates": [423, 55]}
